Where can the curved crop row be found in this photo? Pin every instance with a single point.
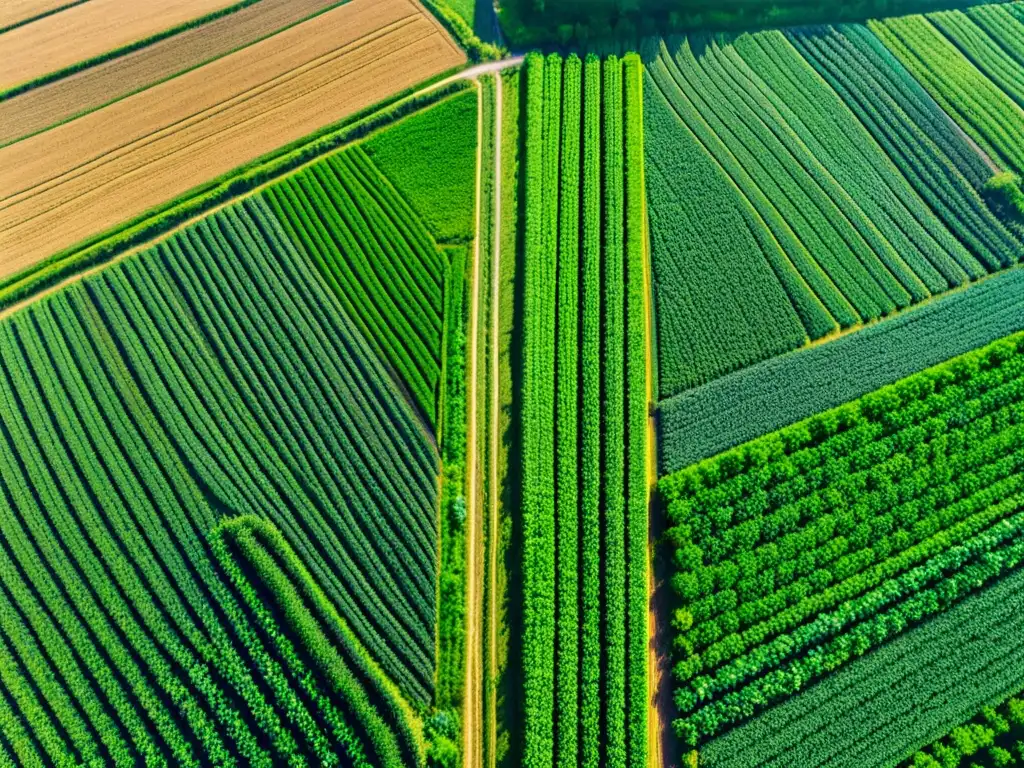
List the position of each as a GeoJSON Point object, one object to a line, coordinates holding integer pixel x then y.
{"type": "Point", "coordinates": [212, 374]}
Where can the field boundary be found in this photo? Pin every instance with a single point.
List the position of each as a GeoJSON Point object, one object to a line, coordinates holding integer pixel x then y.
{"type": "Point", "coordinates": [20, 288]}
{"type": "Point", "coordinates": [60, 268]}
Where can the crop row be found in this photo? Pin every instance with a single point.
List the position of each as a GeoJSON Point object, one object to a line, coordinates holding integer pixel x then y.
{"type": "Point", "coordinates": [915, 133]}
{"type": "Point", "coordinates": [142, 405]}
{"type": "Point", "coordinates": [836, 533]}
{"type": "Point", "coordinates": [804, 181]}
{"type": "Point", "coordinates": [378, 258]}
{"type": "Point", "coordinates": [721, 284]}
{"type": "Point", "coordinates": [585, 487]}
{"type": "Point", "coordinates": [987, 113]}
{"type": "Point", "coordinates": [879, 709]}
{"type": "Point", "coordinates": [995, 733]}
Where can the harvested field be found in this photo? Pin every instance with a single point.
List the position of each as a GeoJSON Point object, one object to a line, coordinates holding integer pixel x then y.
{"type": "Point", "coordinates": [83, 177]}
{"type": "Point", "coordinates": [99, 26]}
{"type": "Point", "coordinates": [19, 11]}
{"type": "Point", "coordinates": [50, 104]}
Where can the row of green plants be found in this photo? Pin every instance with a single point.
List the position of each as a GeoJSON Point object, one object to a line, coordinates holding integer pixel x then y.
{"type": "Point", "coordinates": [994, 736]}
{"type": "Point", "coordinates": [216, 192]}
{"type": "Point", "coordinates": [988, 114]}
{"type": "Point", "coordinates": [995, 49]}
{"type": "Point", "coordinates": [378, 258]}
{"type": "Point", "coordinates": [852, 281]}
{"type": "Point", "coordinates": [916, 134]}
{"type": "Point", "coordinates": [212, 374]}
{"type": "Point", "coordinates": [881, 708]}
{"type": "Point", "coordinates": [259, 563]}
{"type": "Point", "coordinates": [584, 481]}
{"type": "Point", "coordinates": [451, 626]}
{"type": "Point", "coordinates": [837, 533]}
{"type": "Point", "coordinates": [722, 284]}
{"type": "Point", "coordinates": [847, 150]}
{"type": "Point", "coordinates": [762, 398]}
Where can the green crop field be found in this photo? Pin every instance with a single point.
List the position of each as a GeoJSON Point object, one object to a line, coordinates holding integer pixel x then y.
{"type": "Point", "coordinates": [584, 395]}
{"type": "Point", "coordinates": [529, 383]}
{"type": "Point", "coordinates": [837, 533]}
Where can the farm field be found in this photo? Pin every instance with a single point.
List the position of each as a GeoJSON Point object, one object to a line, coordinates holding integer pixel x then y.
{"type": "Point", "coordinates": [701, 422]}
{"type": "Point", "coordinates": [584, 401]}
{"type": "Point", "coordinates": [113, 164]}
{"type": "Point", "coordinates": [34, 50]}
{"type": "Point", "coordinates": [130, 493]}
{"type": "Point", "coordinates": [837, 533]}
{"type": "Point", "coordinates": [844, 225]}
{"type": "Point", "coordinates": [374, 393]}
{"type": "Point", "coordinates": [97, 86]}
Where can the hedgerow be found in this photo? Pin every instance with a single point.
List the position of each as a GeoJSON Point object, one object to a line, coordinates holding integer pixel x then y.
{"type": "Point", "coordinates": [837, 533]}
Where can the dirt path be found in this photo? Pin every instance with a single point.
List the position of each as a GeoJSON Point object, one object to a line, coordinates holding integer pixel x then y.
{"type": "Point", "coordinates": [472, 691]}
{"type": "Point", "coordinates": [492, 565]}
{"type": "Point", "coordinates": [662, 750]}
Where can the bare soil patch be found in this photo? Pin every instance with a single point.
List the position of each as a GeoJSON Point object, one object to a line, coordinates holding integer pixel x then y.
{"type": "Point", "coordinates": [48, 105]}
{"type": "Point", "coordinates": [74, 181]}
{"type": "Point", "coordinates": [89, 30]}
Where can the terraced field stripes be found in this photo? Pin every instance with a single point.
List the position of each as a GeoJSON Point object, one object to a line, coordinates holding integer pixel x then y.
{"type": "Point", "coordinates": [584, 395]}
{"type": "Point", "coordinates": [142, 405]}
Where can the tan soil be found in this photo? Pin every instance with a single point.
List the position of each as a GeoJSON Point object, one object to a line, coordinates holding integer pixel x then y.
{"type": "Point", "coordinates": [93, 173]}
{"type": "Point", "coordinates": [89, 30]}
{"type": "Point", "coordinates": [16, 11]}
{"type": "Point", "coordinates": [48, 105]}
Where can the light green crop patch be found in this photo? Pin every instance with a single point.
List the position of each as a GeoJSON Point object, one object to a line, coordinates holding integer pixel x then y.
{"type": "Point", "coordinates": [430, 157]}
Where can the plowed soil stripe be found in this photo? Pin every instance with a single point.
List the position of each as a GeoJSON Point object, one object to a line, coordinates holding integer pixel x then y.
{"type": "Point", "coordinates": [48, 105]}
{"type": "Point", "coordinates": [88, 30]}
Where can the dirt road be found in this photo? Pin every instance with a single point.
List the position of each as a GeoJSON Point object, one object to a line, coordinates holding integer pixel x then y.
{"type": "Point", "coordinates": [493, 419]}
{"type": "Point", "coordinates": [473, 687]}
